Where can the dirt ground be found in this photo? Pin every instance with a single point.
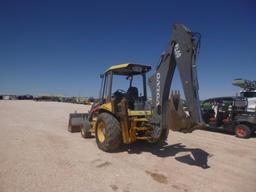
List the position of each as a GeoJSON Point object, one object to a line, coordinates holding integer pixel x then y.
{"type": "Point", "coordinates": [37, 153]}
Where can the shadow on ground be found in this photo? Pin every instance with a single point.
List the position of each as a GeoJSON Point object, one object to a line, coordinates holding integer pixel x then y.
{"type": "Point", "coordinates": [197, 157]}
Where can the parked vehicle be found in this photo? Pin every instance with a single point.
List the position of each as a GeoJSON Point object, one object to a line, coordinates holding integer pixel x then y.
{"type": "Point", "coordinates": [229, 114]}
{"type": "Point", "coordinates": [248, 91]}
{"type": "Point", "coordinates": [25, 97]}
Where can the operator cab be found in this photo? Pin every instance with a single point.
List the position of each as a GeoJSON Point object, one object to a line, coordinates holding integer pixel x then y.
{"type": "Point", "coordinates": [125, 81]}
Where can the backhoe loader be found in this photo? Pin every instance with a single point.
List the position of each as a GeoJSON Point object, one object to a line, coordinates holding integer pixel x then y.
{"type": "Point", "coordinates": [125, 116]}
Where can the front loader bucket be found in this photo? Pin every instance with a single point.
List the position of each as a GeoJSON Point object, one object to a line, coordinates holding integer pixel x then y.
{"type": "Point", "coordinates": [178, 119]}
{"type": "Point", "coordinates": [76, 121]}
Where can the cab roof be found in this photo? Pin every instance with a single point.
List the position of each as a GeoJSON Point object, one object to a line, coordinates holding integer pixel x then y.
{"type": "Point", "coordinates": [129, 69]}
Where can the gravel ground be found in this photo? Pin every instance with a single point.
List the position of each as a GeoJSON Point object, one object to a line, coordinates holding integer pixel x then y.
{"type": "Point", "coordinates": [37, 153]}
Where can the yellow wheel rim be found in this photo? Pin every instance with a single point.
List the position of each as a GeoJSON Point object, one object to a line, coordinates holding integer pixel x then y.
{"type": "Point", "coordinates": [101, 131]}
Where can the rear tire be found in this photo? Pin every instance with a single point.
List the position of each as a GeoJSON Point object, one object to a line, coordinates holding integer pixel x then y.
{"type": "Point", "coordinates": [242, 131]}
{"type": "Point", "coordinates": [85, 129]}
{"type": "Point", "coordinates": [108, 132]}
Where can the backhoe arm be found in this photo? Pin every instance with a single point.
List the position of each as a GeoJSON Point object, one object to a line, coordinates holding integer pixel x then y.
{"type": "Point", "coordinates": [181, 52]}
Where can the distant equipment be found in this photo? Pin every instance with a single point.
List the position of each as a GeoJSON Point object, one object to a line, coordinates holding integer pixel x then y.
{"type": "Point", "coordinates": [249, 92]}
{"type": "Point", "coordinates": [245, 84]}
{"type": "Point", "coordinates": [229, 114]}
{"type": "Point", "coordinates": [6, 97]}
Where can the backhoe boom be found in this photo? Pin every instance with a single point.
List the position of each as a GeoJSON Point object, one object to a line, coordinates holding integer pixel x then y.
{"type": "Point", "coordinates": [181, 52]}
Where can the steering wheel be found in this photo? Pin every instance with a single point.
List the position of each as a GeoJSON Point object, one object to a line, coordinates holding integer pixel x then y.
{"type": "Point", "coordinates": [119, 94]}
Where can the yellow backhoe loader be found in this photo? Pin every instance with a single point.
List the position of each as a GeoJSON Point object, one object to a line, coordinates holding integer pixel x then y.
{"type": "Point", "coordinates": [125, 116]}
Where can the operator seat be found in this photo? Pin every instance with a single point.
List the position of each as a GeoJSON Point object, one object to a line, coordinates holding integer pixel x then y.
{"type": "Point", "coordinates": [132, 95]}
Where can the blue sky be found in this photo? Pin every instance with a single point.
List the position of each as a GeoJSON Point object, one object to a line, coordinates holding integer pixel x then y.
{"type": "Point", "coordinates": [61, 47]}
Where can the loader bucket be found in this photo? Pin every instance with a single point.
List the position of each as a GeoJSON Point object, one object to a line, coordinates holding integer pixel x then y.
{"type": "Point", "coordinates": [76, 121]}
{"type": "Point", "coordinates": [178, 119]}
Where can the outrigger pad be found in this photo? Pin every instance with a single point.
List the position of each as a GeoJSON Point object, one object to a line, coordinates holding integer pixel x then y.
{"type": "Point", "coordinates": [76, 121]}
{"type": "Point", "coordinates": [178, 119]}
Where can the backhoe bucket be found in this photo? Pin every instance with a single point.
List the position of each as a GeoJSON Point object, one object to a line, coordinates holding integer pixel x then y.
{"type": "Point", "coordinates": [76, 121]}
{"type": "Point", "coordinates": [178, 119]}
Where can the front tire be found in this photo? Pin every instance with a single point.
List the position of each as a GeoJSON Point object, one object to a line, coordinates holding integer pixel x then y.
{"type": "Point", "coordinates": [85, 129]}
{"type": "Point", "coordinates": [242, 131]}
{"type": "Point", "coordinates": [108, 132]}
